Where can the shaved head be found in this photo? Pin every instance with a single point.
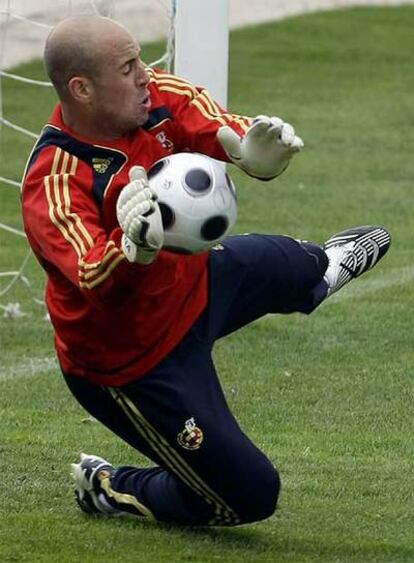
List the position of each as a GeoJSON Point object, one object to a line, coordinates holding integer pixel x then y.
{"type": "Point", "coordinates": [77, 46]}
{"type": "Point", "coordinates": [95, 66]}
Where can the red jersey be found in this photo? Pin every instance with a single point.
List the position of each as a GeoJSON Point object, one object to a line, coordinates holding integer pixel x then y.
{"type": "Point", "coordinates": [113, 320]}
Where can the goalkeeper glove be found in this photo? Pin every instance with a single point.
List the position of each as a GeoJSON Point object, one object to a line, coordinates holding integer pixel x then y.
{"type": "Point", "coordinates": [266, 148]}
{"type": "Point", "coordinates": [139, 217]}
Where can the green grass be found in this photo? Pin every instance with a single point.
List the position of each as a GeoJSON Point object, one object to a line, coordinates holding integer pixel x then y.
{"type": "Point", "coordinates": [328, 397]}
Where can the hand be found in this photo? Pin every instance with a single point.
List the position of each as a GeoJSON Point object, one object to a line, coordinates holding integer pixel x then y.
{"type": "Point", "coordinates": [139, 217]}
{"type": "Point", "coordinates": [266, 148]}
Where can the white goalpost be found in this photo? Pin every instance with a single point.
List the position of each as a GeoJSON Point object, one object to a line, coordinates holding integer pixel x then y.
{"type": "Point", "coordinates": [202, 44]}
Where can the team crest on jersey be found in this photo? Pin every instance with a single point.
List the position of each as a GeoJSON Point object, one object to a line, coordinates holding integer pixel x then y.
{"type": "Point", "coordinates": [164, 140]}
{"type": "Point", "coordinates": [191, 437]}
{"type": "Point", "coordinates": [101, 165]}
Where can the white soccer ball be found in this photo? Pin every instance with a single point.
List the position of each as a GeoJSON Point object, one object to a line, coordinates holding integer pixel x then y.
{"type": "Point", "coordinates": [197, 199]}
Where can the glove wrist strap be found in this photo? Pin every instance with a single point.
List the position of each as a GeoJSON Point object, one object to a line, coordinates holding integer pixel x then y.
{"type": "Point", "coordinates": [135, 253]}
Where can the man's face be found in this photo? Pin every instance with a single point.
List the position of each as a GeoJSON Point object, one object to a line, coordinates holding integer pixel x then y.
{"type": "Point", "coordinates": [120, 98]}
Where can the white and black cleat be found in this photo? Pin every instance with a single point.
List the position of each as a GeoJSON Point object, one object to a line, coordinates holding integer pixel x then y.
{"type": "Point", "coordinates": [89, 494]}
{"type": "Point", "coordinates": [353, 252]}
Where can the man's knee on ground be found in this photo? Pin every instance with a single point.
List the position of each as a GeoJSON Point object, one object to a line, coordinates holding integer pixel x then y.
{"type": "Point", "coordinates": [258, 500]}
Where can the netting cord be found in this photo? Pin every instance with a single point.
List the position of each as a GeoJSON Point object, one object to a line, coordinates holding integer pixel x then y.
{"type": "Point", "coordinates": [168, 58]}
{"type": "Point", "coordinates": [11, 15]}
{"type": "Point", "coordinates": [10, 182]}
{"type": "Point", "coordinates": [24, 79]}
{"type": "Point", "coordinates": [18, 276]}
{"type": "Point", "coordinates": [11, 125]}
{"type": "Point", "coordinates": [12, 230]}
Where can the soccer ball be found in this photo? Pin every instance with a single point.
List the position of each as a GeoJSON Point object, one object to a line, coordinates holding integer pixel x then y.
{"type": "Point", "coordinates": [197, 199]}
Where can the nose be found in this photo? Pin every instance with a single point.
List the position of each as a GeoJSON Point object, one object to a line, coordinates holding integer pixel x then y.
{"type": "Point", "coordinates": [142, 76]}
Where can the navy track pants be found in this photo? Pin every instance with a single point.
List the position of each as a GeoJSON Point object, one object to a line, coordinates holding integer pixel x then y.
{"type": "Point", "coordinates": [208, 472]}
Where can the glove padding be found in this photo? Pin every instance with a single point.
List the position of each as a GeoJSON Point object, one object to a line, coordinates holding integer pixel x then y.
{"type": "Point", "coordinates": [266, 148]}
{"type": "Point", "coordinates": [139, 217]}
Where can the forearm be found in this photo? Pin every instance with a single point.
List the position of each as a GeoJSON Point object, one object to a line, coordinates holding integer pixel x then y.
{"type": "Point", "coordinates": [105, 275]}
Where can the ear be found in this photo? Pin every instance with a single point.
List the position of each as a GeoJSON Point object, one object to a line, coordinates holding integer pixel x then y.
{"type": "Point", "coordinates": [80, 89]}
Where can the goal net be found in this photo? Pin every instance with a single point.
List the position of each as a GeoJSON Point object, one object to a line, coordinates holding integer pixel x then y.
{"type": "Point", "coordinates": [26, 101]}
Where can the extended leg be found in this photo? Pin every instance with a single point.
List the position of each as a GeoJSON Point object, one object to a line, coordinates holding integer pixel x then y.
{"type": "Point", "coordinates": [255, 275]}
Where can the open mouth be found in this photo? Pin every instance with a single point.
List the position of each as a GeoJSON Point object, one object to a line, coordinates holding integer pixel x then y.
{"type": "Point", "coordinates": [146, 102]}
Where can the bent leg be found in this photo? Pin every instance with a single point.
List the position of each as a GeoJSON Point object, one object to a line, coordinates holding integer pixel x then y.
{"type": "Point", "coordinates": [209, 472]}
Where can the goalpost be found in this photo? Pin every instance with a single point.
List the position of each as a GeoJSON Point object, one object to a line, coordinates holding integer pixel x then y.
{"type": "Point", "coordinates": [196, 35]}
{"type": "Point", "coordinates": [202, 44]}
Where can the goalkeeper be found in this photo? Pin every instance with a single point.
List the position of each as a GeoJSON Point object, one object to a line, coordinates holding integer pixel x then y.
{"type": "Point", "coordinates": [134, 324]}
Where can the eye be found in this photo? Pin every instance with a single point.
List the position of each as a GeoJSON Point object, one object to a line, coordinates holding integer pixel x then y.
{"type": "Point", "coordinates": [127, 68]}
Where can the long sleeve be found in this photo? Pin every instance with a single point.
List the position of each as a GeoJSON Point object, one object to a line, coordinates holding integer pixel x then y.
{"type": "Point", "coordinates": [197, 117]}
{"type": "Point", "coordinates": [63, 222]}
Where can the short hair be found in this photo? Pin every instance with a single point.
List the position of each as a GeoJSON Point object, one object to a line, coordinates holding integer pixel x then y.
{"type": "Point", "coordinates": [67, 57]}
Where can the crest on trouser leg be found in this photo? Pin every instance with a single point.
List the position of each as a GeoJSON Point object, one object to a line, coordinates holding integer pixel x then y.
{"type": "Point", "coordinates": [191, 437]}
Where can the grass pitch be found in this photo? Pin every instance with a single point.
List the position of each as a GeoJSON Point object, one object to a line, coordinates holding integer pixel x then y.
{"type": "Point", "coordinates": [328, 397]}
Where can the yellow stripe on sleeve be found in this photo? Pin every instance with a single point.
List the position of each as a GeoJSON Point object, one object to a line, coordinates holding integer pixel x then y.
{"type": "Point", "coordinates": [105, 274]}
{"type": "Point", "coordinates": [55, 220]}
{"type": "Point", "coordinates": [201, 100]}
{"type": "Point", "coordinates": [58, 197]}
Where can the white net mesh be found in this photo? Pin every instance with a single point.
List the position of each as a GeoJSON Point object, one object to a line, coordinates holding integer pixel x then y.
{"type": "Point", "coordinates": [24, 26]}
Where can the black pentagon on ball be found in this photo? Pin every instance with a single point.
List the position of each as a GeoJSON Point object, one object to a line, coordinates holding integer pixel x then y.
{"type": "Point", "coordinates": [197, 180]}
{"type": "Point", "coordinates": [167, 215]}
{"type": "Point", "coordinates": [214, 227]}
{"type": "Point", "coordinates": [156, 168]}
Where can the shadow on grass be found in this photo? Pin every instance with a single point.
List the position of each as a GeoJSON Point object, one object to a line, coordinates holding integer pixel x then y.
{"type": "Point", "coordinates": [258, 542]}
